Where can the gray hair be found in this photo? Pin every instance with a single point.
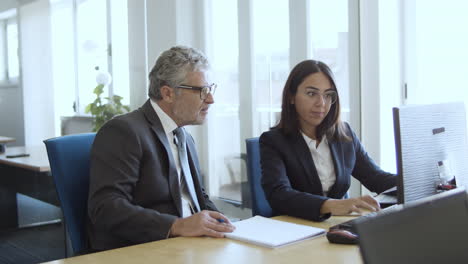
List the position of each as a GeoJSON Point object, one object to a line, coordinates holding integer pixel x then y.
{"type": "Point", "coordinates": [172, 67]}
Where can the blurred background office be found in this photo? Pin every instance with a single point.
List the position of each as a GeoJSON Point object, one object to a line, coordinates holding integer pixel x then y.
{"type": "Point", "coordinates": [384, 53]}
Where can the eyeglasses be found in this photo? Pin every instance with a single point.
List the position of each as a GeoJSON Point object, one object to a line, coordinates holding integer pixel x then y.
{"type": "Point", "coordinates": [204, 90]}
{"type": "Point", "coordinates": [329, 97]}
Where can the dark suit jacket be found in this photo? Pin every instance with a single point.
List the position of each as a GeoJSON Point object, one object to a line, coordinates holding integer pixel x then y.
{"type": "Point", "coordinates": [290, 179]}
{"type": "Point", "coordinates": [134, 193]}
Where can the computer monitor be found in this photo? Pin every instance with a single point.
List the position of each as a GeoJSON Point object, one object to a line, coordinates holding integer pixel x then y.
{"type": "Point", "coordinates": [429, 140]}
{"type": "Point", "coordinates": [430, 230]}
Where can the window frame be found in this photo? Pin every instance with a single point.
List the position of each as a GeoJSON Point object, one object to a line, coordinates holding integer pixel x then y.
{"type": "Point", "coordinates": [7, 17]}
{"type": "Point", "coordinates": [77, 107]}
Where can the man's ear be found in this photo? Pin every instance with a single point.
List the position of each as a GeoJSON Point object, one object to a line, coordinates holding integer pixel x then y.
{"type": "Point", "coordinates": [167, 93]}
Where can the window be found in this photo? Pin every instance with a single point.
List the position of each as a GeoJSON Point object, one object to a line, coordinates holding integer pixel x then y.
{"type": "Point", "coordinates": [271, 61]}
{"type": "Point", "coordinates": [330, 42]}
{"type": "Point", "coordinates": [250, 52]}
{"type": "Point", "coordinates": [436, 56]}
{"type": "Point", "coordinates": [91, 47]}
{"type": "Point", "coordinates": [82, 33]}
{"type": "Point", "coordinates": [225, 162]}
{"type": "Point", "coordinates": [9, 61]}
{"type": "Point", "coordinates": [249, 94]}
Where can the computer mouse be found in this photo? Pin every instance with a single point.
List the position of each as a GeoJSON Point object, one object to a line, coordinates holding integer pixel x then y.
{"type": "Point", "coordinates": [340, 236]}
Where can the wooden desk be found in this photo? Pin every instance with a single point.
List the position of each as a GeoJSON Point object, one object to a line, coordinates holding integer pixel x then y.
{"type": "Point", "coordinates": [6, 139]}
{"type": "Point", "coordinates": [37, 160]}
{"type": "Point", "coordinates": [26, 175]}
{"type": "Point", "coordinates": [223, 251]}
{"type": "Point", "coordinates": [3, 141]}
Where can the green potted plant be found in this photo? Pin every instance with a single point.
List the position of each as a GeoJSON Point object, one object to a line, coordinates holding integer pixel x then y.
{"type": "Point", "coordinates": [103, 112]}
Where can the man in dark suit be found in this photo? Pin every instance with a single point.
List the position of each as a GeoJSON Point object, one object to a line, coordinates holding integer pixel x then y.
{"type": "Point", "coordinates": [145, 175]}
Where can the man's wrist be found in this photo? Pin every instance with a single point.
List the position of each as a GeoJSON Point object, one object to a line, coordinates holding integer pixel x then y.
{"type": "Point", "coordinates": [173, 231]}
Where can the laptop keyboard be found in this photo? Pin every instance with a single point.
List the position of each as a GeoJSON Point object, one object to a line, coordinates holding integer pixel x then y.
{"type": "Point", "coordinates": [386, 199]}
{"type": "Point", "coordinates": [350, 224]}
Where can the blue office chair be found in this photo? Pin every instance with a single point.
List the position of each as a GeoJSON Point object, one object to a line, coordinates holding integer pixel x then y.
{"type": "Point", "coordinates": [260, 205]}
{"type": "Point", "coordinates": [69, 163]}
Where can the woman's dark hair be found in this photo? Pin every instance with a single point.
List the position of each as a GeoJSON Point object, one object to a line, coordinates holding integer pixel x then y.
{"type": "Point", "coordinates": [331, 125]}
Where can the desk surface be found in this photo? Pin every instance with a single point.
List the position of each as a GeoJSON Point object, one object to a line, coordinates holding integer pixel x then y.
{"type": "Point", "coordinates": [6, 140]}
{"type": "Point", "coordinates": [222, 251]}
{"type": "Point", "coordinates": [37, 161]}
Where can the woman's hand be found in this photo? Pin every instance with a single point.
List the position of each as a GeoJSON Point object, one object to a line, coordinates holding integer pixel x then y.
{"type": "Point", "coordinates": [347, 206]}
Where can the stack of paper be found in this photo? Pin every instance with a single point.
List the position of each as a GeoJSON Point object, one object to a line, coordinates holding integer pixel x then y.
{"type": "Point", "coordinates": [272, 233]}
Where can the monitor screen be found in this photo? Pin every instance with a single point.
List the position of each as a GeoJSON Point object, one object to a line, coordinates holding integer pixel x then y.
{"type": "Point", "coordinates": [431, 147]}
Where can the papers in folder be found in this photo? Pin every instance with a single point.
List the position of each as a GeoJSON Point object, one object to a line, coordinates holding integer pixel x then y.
{"type": "Point", "coordinates": [271, 233]}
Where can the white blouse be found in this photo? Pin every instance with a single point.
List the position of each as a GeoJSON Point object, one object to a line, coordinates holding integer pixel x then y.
{"type": "Point", "coordinates": [323, 161]}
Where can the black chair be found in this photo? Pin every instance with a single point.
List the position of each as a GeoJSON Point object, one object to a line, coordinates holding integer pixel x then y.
{"type": "Point", "coordinates": [260, 205]}
{"type": "Point", "coordinates": [69, 158]}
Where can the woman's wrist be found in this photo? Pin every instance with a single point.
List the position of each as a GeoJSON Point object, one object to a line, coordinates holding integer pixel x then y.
{"type": "Point", "coordinates": [327, 206]}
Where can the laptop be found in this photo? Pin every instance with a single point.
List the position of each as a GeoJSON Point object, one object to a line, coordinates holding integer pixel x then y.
{"type": "Point", "coordinates": [430, 230]}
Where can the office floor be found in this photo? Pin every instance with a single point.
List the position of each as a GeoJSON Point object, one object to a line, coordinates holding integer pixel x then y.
{"type": "Point", "coordinates": [33, 244]}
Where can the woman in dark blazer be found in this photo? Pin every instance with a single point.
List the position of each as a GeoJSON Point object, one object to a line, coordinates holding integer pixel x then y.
{"type": "Point", "coordinates": [308, 158]}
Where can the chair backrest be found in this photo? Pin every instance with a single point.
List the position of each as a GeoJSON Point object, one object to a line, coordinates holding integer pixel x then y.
{"type": "Point", "coordinates": [260, 205]}
{"type": "Point", "coordinates": [69, 158]}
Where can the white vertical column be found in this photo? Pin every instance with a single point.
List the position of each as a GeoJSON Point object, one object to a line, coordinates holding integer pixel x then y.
{"type": "Point", "coordinates": [299, 25]}
{"type": "Point", "coordinates": [161, 28]}
{"type": "Point", "coordinates": [198, 21]}
{"type": "Point", "coordinates": [381, 77]}
{"type": "Point", "coordinates": [390, 77]}
{"type": "Point", "coordinates": [354, 79]}
{"type": "Point", "coordinates": [36, 61]}
{"type": "Point", "coordinates": [247, 113]}
{"type": "Point", "coordinates": [137, 51]}
{"type": "Point", "coordinates": [370, 79]}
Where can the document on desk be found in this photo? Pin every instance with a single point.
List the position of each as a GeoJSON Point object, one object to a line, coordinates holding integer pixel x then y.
{"type": "Point", "coordinates": [272, 233]}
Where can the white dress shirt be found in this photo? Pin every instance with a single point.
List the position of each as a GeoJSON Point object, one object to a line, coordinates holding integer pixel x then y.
{"type": "Point", "coordinates": [323, 161]}
{"type": "Point", "coordinates": [169, 125]}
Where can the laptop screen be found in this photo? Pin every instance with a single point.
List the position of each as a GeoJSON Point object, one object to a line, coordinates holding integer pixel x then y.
{"type": "Point", "coordinates": [430, 230]}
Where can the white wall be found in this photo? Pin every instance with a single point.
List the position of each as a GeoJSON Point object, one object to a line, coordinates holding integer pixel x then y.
{"type": "Point", "coordinates": [7, 4]}
{"type": "Point", "coordinates": [37, 76]}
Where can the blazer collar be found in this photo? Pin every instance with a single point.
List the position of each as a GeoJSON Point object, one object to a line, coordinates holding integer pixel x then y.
{"type": "Point", "coordinates": [157, 127]}
{"type": "Point", "coordinates": [334, 148]}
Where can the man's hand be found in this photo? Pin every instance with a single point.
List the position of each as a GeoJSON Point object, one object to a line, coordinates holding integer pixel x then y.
{"type": "Point", "coordinates": [347, 206]}
{"type": "Point", "coordinates": [204, 223]}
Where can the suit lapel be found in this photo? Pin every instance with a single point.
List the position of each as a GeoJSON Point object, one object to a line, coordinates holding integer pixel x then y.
{"type": "Point", "coordinates": [304, 156]}
{"type": "Point", "coordinates": [156, 125]}
{"type": "Point", "coordinates": [337, 159]}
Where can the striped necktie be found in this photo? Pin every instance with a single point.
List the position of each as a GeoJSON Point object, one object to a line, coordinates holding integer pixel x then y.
{"type": "Point", "coordinates": [187, 181]}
